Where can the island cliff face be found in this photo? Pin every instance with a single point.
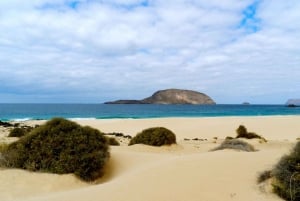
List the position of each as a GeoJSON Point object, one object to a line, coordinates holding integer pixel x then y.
{"type": "Point", "coordinates": [171, 96]}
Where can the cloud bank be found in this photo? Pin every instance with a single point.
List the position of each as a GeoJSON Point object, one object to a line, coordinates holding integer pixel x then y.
{"type": "Point", "coordinates": [94, 51]}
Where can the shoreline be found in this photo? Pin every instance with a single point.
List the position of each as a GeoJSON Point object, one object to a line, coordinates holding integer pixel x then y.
{"type": "Point", "coordinates": [24, 120]}
{"type": "Point", "coordinates": [102, 111]}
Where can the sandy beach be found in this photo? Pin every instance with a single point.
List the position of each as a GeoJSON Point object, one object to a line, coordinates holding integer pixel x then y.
{"type": "Point", "coordinates": [186, 171]}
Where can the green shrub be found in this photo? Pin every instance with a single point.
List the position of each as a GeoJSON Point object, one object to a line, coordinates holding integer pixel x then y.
{"type": "Point", "coordinates": [243, 133]}
{"type": "Point", "coordinates": [286, 175]}
{"type": "Point", "coordinates": [16, 132]}
{"type": "Point", "coordinates": [229, 138]}
{"type": "Point", "coordinates": [6, 124]}
{"type": "Point", "coordinates": [156, 136]}
{"type": "Point", "coordinates": [19, 131]}
{"type": "Point", "coordinates": [60, 146]}
{"type": "Point", "coordinates": [113, 142]}
{"type": "Point", "coordinates": [263, 176]}
{"type": "Point", "coordinates": [235, 144]}
{"type": "Point", "coordinates": [3, 147]}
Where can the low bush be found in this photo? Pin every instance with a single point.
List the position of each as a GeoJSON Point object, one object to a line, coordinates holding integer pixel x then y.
{"type": "Point", "coordinates": [113, 141]}
{"type": "Point", "coordinates": [19, 131]}
{"type": "Point", "coordinates": [156, 136]}
{"type": "Point", "coordinates": [263, 176]}
{"type": "Point", "coordinates": [229, 138]}
{"type": "Point", "coordinates": [60, 146]}
{"type": "Point", "coordinates": [243, 133]}
{"type": "Point", "coordinates": [6, 124]}
{"type": "Point", "coordinates": [235, 144]}
{"type": "Point", "coordinates": [16, 132]}
{"type": "Point", "coordinates": [3, 147]}
{"type": "Point", "coordinates": [286, 175]}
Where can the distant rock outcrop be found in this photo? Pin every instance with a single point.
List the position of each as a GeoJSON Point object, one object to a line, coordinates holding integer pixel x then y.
{"type": "Point", "coordinates": [125, 102]}
{"type": "Point", "coordinates": [171, 96]}
{"type": "Point", "coordinates": [293, 103]}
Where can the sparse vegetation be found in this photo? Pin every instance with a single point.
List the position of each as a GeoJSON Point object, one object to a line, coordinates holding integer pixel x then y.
{"type": "Point", "coordinates": [60, 146]}
{"type": "Point", "coordinates": [243, 133]}
{"type": "Point", "coordinates": [286, 175]}
{"type": "Point", "coordinates": [3, 147]}
{"type": "Point", "coordinates": [156, 136]}
{"type": "Point", "coordinates": [265, 175]}
{"type": "Point", "coordinates": [229, 138]}
{"type": "Point", "coordinates": [16, 132]}
{"type": "Point", "coordinates": [6, 124]}
{"type": "Point", "coordinates": [19, 131]}
{"type": "Point", "coordinates": [113, 141]}
{"type": "Point", "coordinates": [236, 145]}
{"type": "Point", "coordinates": [121, 135]}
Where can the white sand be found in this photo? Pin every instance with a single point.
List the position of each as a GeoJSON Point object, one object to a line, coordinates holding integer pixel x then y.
{"type": "Point", "coordinates": [186, 171]}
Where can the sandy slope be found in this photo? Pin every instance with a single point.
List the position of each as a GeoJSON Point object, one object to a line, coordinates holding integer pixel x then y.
{"type": "Point", "coordinates": [187, 171]}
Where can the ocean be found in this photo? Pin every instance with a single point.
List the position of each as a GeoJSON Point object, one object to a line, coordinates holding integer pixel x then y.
{"type": "Point", "coordinates": [21, 112]}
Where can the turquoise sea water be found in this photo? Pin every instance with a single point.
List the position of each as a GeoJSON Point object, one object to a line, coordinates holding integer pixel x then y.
{"type": "Point", "coordinates": [101, 111]}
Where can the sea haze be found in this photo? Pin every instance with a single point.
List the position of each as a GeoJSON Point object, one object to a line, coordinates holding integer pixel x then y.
{"type": "Point", "coordinates": [20, 112]}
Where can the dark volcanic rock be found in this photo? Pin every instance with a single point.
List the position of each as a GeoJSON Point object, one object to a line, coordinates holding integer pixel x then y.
{"type": "Point", "coordinates": [125, 102]}
{"type": "Point", "coordinates": [178, 96]}
{"type": "Point", "coordinates": [171, 96]}
{"type": "Point", "coordinates": [293, 103]}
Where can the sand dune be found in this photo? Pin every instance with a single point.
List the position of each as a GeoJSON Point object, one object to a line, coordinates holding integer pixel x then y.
{"type": "Point", "coordinates": [20, 184]}
{"type": "Point", "coordinates": [186, 171]}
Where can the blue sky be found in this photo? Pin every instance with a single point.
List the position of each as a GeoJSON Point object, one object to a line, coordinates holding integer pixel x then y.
{"type": "Point", "coordinates": [91, 51]}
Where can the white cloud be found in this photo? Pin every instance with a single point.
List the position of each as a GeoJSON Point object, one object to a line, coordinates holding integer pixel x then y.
{"type": "Point", "coordinates": [102, 50]}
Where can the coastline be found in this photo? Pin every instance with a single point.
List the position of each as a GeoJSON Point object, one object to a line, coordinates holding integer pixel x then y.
{"type": "Point", "coordinates": [186, 171]}
{"type": "Point", "coordinates": [22, 112]}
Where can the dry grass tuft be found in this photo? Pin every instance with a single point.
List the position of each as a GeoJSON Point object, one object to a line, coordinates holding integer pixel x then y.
{"type": "Point", "coordinates": [263, 176]}
{"type": "Point", "coordinates": [286, 175]}
{"type": "Point", "coordinates": [236, 145]}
